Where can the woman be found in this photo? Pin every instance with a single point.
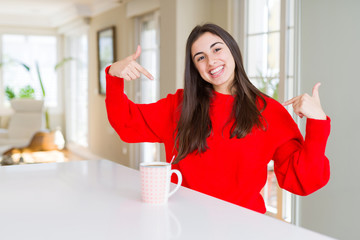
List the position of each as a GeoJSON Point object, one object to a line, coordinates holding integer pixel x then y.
{"type": "Point", "coordinates": [222, 130]}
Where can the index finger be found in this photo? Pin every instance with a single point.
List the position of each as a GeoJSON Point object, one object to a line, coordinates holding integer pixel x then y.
{"type": "Point", "coordinates": [143, 71]}
{"type": "Point", "coordinates": [290, 101]}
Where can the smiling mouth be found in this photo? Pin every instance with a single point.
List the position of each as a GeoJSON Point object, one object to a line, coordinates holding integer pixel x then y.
{"type": "Point", "coordinates": [216, 70]}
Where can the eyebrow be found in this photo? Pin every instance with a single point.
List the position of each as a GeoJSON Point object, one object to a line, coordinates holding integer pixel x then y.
{"type": "Point", "coordinates": [212, 45]}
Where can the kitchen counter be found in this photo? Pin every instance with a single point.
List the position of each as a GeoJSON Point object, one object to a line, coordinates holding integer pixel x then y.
{"type": "Point", "coordinates": [100, 199]}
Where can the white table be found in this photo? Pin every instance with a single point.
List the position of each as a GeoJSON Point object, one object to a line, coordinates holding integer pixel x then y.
{"type": "Point", "coordinates": [100, 200]}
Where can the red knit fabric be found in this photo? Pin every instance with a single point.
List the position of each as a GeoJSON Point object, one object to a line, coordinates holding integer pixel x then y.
{"type": "Point", "coordinates": [234, 170]}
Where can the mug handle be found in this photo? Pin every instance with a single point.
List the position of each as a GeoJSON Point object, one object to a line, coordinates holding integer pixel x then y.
{"type": "Point", "coordinates": [177, 172]}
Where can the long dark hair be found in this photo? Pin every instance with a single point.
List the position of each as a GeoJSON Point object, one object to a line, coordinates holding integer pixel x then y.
{"type": "Point", "coordinates": [194, 125]}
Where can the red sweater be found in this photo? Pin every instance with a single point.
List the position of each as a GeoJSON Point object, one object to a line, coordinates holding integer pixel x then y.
{"type": "Point", "coordinates": [234, 170]}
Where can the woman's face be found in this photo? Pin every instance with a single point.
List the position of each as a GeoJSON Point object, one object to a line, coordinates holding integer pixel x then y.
{"type": "Point", "coordinates": [214, 61]}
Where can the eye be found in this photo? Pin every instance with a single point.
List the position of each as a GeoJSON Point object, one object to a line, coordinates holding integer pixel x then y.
{"type": "Point", "coordinates": [200, 58]}
{"type": "Point", "coordinates": [217, 49]}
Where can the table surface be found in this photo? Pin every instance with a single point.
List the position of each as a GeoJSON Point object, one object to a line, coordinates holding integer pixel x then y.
{"type": "Point", "coordinates": [100, 199]}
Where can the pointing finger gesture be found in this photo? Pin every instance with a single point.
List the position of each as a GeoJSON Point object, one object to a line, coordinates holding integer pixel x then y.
{"type": "Point", "coordinates": [128, 68]}
{"type": "Point", "coordinates": [308, 106]}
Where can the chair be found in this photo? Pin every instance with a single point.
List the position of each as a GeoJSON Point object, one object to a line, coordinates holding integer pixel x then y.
{"type": "Point", "coordinates": [28, 118]}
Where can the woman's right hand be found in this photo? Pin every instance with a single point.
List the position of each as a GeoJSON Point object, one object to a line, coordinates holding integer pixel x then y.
{"type": "Point", "coordinates": [128, 68]}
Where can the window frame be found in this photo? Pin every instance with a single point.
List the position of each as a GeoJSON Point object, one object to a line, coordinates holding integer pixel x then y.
{"type": "Point", "coordinates": [78, 30]}
{"type": "Point", "coordinates": [285, 89]}
{"type": "Point", "coordinates": [69, 80]}
{"type": "Point", "coordinates": [137, 150]}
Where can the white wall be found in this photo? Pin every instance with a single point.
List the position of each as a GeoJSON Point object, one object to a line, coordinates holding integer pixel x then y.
{"type": "Point", "coordinates": [103, 140]}
{"type": "Point", "coordinates": [330, 51]}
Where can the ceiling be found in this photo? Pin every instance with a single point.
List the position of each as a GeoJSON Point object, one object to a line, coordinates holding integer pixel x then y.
{"type": "Point", "coordinates": [50, 13]}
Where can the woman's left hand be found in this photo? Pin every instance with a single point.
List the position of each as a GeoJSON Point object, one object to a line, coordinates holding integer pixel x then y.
{"type": "Point", "coordinates": [308, 106]}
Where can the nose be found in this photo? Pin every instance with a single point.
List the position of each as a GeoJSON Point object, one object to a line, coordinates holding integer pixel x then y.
{"type": "Point", "coordinates": [212, 60]}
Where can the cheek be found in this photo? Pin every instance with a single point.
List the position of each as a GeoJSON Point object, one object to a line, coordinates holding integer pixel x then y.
{"type": "Point", "coordinates": [202, 73]}
{"type": "Point", "coordinates": [232, 63]}
{"type": "Point", "coordinates": [201, 68]}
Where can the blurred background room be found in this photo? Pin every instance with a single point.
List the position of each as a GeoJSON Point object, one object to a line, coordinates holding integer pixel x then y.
{"type": "Point", "coordinates": [53, 54]}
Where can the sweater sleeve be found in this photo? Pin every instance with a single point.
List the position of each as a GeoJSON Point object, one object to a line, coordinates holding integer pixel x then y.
{"type": "Point", "coordinates": [137, 122]}
{"type": "Point", "coordinates": [301, 166]}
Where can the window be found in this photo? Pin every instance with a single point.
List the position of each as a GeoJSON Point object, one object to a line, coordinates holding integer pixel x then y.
{"type": "Point", "coordinates": [30, 50]}
{"type": "Point", "coordinates": [148, 90]}
{"type": "Point", "coordinates": [77, 90]}
{"type": "Point", "coordinates": [270, 63]}
{"type": "Point", "coordinates": [263, 39]}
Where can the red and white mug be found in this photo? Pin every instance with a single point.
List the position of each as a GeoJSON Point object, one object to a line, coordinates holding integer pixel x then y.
{"type": "Point", "coordinates": [155, 180]}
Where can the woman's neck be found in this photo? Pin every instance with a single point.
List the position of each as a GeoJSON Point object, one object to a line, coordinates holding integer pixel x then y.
{"type": "Point", "coordinates": [222, 90]}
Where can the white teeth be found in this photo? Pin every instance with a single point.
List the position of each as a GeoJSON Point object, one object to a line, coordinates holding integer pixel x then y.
{"type": "Point", "coordinates": [216, 70]}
